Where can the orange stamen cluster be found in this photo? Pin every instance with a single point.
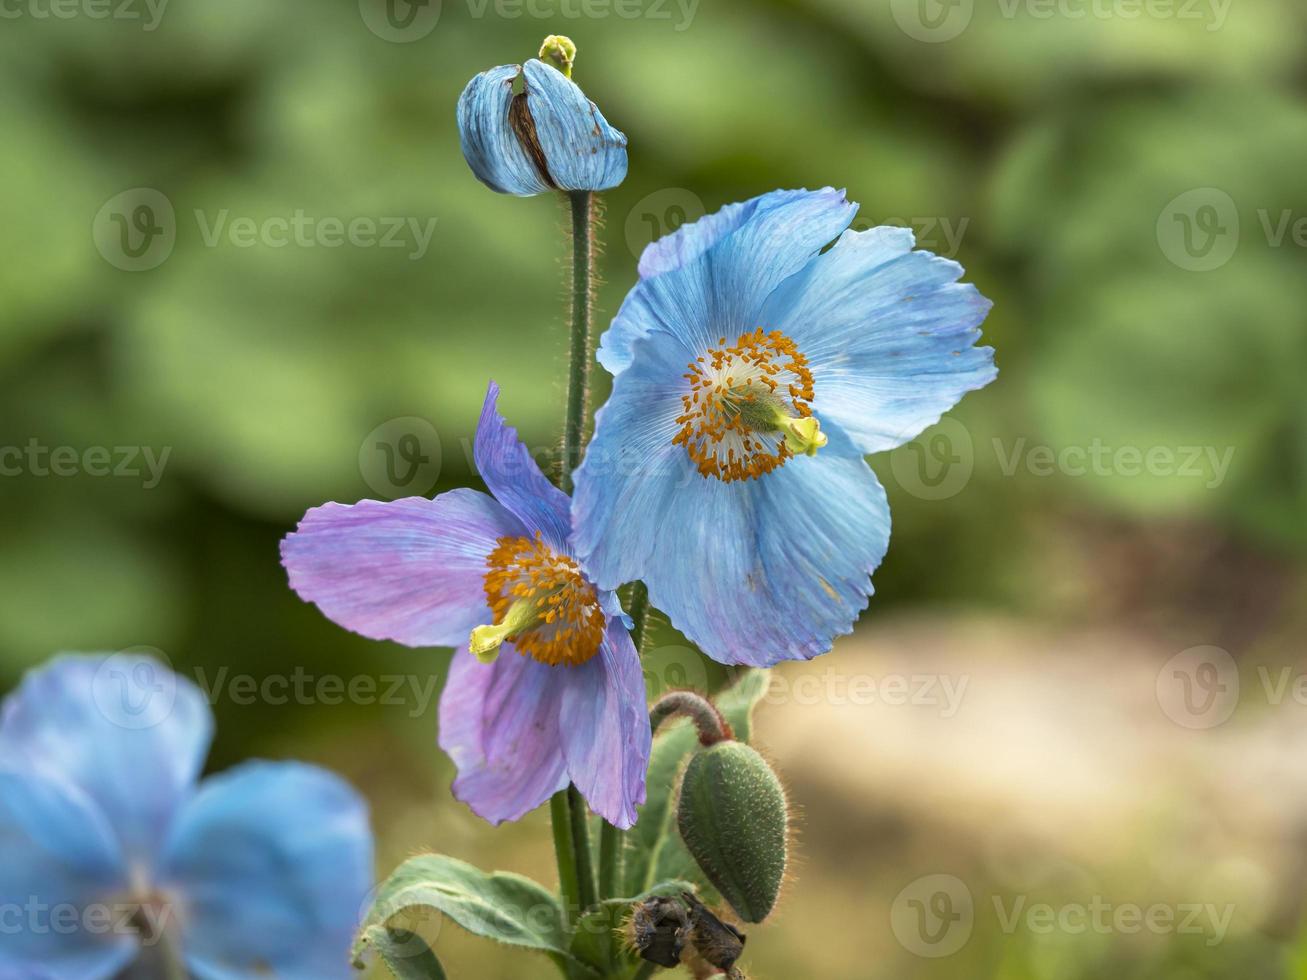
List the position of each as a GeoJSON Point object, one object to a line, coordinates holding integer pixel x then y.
{"type": "Point", "coordinates": [732, 388]}
{"type": "Point", "coordinates": [569, 624]}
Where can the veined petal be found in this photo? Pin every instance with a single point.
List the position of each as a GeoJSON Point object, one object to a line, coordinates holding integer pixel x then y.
{"type": "Point", "coordinates": [773, 569]}
{"type": "Point", "coordinates": [410, 570]}
{"type": "Point", "coordinates": [60, 858]}
{"type": "Point", "coordinates": [273, 862]}
{"type": "Point", "coordinates": [628, 485]}
{"type": "Point", "coordinates": [490, 145]}
{"type": "Point", "coordinates": [605, 728]}
{"type": "Point", "coordinates": [584, 153]}
{"type": "Point", "coordinates": [514, 477]}
{"type": "Point", "coordinates": [728, 266]}
{"type": "Point", "coordinates": [889, 334]}
{"type": "Point", "coordinates": [125, 730]}
{"type": "Point", "coordinates": [499, 723]}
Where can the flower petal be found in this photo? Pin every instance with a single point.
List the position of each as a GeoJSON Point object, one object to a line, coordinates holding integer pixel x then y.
{"type": "Point", "coordinates": [583, 151]}
{"type": "Point", "coordinates": [490, 146]}
{"type": "Point", "coordinates": [889, 334]}
{"type": "Point", "coordinates": [516, 480]}
{"type": "Point", "coordinates": [730, 264]}
{"type": "Point", "coordinates": [605, 728]}
{"type": "Point", "coordinates": [273, 862]}
{"type": "Point", "coordinates": [410, 570]}
{"type": "Point", "coordinates": [60, 857]}
{"type": "Point", "coordinates": [125, 730]}
{"type": "Point", "coordinates": [499, 723]}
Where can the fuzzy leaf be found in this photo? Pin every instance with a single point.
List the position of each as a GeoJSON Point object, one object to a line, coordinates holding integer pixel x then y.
{"type": "Point", "coordinates": [507, 908]}
{"type": "Point", "coordinates": [405, 953]}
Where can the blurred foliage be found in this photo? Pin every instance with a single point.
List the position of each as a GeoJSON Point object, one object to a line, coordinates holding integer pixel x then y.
{"type": "Point", "coordinates": [1043, 150]}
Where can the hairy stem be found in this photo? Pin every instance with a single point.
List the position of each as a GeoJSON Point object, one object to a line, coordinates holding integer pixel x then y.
{"type": "Point", "coordinates": [568, 883]}
{"type": "Point", "coordinates": [639, 614]}
{"type": "Point", "coordinates": [713, 728]}
{"type": "Point", "coordinates": [578, 382]}
{"type": "Point", "coordinates": [581, 848]}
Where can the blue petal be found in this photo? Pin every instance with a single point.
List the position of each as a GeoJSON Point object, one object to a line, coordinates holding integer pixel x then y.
{"type": "Point", "coordinates": [753, 572]}
{"type": "Point", "coordinates": [605, 728]}
{"type": "Point", "coordinates": [411, 570]}
{"type": "Point", "coordinates": [584, 152]}
{"type": "Point", "coordinates": [128, 732]}
{"type": "Point", "coordinates": [490, 146]}
{"type": "Point", "coordinates": [59, 855]}
{"type": "Point", "coordinates": [888, 333]}
{"type": "Point", "coordinates": [499, 723]}
{"type": "Point", "coordinates": [273, 862]}
{"type": "Point", "coordinates": [730, 265]}
{"type": "Point", "coordinates": [515, 479]}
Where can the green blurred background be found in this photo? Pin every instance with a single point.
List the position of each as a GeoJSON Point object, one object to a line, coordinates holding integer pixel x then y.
{"type": "Point", "coordinates": [1079, 550]}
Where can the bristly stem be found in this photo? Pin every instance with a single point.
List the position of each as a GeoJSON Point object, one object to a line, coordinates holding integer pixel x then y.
{"type": "Point", "coordinates": [639, 614]}
{"type": "Point", "coordinates": [711, 725]}
{"type": "Point", "coordinates": [567, 808]}
{"type": "Point", "coordinates": [578, 382]}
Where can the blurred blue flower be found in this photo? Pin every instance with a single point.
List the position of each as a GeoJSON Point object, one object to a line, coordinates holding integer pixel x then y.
{"type": "Point", "coordinates": [754, 369]}
{"type": "Point", "coordinates": [546, 686]}
{"type": "Point", "coordinates": [113, 856]}
{"type": "Point", "coordinates": [547, 137]}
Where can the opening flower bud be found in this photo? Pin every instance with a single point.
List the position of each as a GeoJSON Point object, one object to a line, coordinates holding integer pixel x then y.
{"type": "Point", "coordinates": [734, 819]}
{"type": "Point", "coordinates": [561, 51]}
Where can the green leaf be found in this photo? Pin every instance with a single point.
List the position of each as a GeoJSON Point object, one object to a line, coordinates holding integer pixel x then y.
{"type": "Point", "coordinates": [405, 953]}
{"type": "Point", "coordinates": [652, 833]}
{"type": "Point", "coordinates": [597, 942]}
{"type": "Point", "coordinates": [507, 908]}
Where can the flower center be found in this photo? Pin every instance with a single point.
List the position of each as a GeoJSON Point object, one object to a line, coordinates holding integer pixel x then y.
{"type": "Point", "coordinates": [748, 409]}
{"type": "Point", "coordinates": [541, 603]}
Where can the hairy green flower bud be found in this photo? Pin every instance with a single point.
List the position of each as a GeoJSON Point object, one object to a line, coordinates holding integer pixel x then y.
{"type": "Point", "coordinates": [734, 820]}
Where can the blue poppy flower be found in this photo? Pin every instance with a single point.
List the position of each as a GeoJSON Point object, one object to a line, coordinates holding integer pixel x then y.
{"type": "Point", "coordinates": [113, 856]}
{"type": "Point", "coordinates": [546, 137]}
{"type": "Point", "coordinates": [546, 686]}
{"type": "Point", "coordinates": [753, 369]}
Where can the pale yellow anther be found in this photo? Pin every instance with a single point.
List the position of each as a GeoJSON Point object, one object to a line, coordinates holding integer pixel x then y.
{"type": "Point", "coordinates": [486, 640]}
{"type": "Point", "coordinates": [803, 435]}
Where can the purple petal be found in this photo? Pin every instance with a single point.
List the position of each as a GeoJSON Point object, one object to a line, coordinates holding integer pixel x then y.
{"type": "Point", "coordinates": [125, 730]}
{"type": "Point", "coordinates": [499, 723]}
{"type": "Point", "coordinates": [411, 570]}
{"type": "Point", "coordinates": [605, 728]}
{"type": "Point", "coordinates": [272, 862]}
{"type": "Point", "coordinates": [515, 478]}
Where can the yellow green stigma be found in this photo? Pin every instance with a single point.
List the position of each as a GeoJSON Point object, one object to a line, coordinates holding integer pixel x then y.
{"type": "Point", "coordinates": [486, 640]}
{"type": "Point", "coordinates": [561, 51]}
{"type": "Point", "coordinates": [802, 435]}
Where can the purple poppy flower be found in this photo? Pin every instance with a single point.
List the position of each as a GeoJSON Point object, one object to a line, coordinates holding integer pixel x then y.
{"type": "Point", "coordinates": [113, 857]}
{"type": "Point", "coordinates": [546, 686]}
